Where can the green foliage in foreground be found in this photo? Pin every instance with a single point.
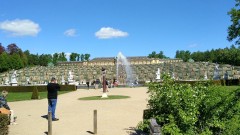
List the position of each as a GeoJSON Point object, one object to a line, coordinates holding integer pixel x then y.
{"type": "Point", "coordinates": [110, 97]}
{"type": "Point", "coordinates": [4, 121]}
{"type": "Point", "coordinates": [194, 109]}
{"type": "Point", "coordinates": [20, 96]}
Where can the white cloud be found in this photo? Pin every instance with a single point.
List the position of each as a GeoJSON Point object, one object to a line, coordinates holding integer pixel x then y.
{"type": "Point", "coordinates": [70, 32]}
{"type": "Point", "coordinates": [193, 46]}
{"type": "Point", "coordinates": [20, 27]}
{"type": "Point", "coordinates": [108, 32]}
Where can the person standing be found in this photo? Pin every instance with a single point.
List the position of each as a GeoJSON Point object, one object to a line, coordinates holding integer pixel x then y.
{"type": "Point", "coordinates": [53, 88]}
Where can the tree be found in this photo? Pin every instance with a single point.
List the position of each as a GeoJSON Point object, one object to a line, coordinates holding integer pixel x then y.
{"type": "Point", "coordinates": [16, 62]}
{"type": "Point", "coordinates": [4, 62]}
{"type": "Point", "coordinates": [87, 56]}
{"type": "Point", "coordinates": [161, 55]}
{"type": "Point", "coordinates": [44, 59]}
{"type": "Point", "coordinates": [23, 57]}
{"type": "Point", "coordinates": [12, 48]}
{"type": "Point", "coordinates": [184, 55]}
{"type": "Point", "coordinates": [73, 56]}
{"type": "Point", "coordinates": [234, 28]}
{"type": "Point", "coordinates": [55, 58]}
{"type": "Point", "coordinates": [152, 55]}
{"type": "Point", "coordinates": [82, 57]}
{"type": "Point", "coordinates": [2, 49]}
{"type": "Point", "coordinates": [62, 57]}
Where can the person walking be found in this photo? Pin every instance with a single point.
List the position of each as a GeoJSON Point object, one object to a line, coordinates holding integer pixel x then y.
{"type": "Point", "coordinates": [53, 88]}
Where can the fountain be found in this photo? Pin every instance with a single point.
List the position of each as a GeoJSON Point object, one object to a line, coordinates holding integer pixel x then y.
{"type": "Point", "coordinates": [124, 66]}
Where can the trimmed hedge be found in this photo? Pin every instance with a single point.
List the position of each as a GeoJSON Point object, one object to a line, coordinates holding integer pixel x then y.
{"type": "Point", "coordinates": [4, 121]}
{"type": "Point", "coordinates": [35, 94]}
{"type": "Point", "coordinates": [31, 88]}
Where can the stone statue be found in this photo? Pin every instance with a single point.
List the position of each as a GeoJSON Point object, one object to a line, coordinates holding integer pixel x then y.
{"type": "Point", "coordinates": [14, 79]}
{"type": "Point", "coordinates": [70, 76]}
{"type": "Point", "coordinates": [63, 80]}
{"type": "Point", "coordinates": [158, 75]}
{"type": "Point", "coordinates": [205, 76]}
{"type": "Point", "coordinates": [216, 73]}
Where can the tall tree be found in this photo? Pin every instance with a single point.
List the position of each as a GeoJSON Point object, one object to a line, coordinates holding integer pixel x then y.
{"type": "Point", "coordinates": [44, 59]}
{"type": "Point", "coordinates": [87, 56]}
{"type": "Point", "coordinates": [4, 62]}
{"type": "Point", "coordinates": [12, 48]}
{"type": "Point", "coordinates": [153, 55]}
{"type": "Point", "coordinates": [82, 57]}
{"type": "Point", "coordinates": [2, 49]}
{"type": "Point", "coordinates": [234, 28]}
{"type": "Point", "coordinates": [73, 56]}
{"type": "Point", "coordinates": [55, 58]}
{"type": "Point", "coordinates": [16, 62]}
{"type": "Point", "coordinates": [62, 57]}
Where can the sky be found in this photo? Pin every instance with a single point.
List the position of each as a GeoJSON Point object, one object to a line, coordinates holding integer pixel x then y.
{"type": "Point", "coordinates": [103, 28]}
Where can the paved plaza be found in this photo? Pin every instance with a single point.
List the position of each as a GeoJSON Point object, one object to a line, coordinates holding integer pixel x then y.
{"type": "Point", "coordinates": [115, 117]}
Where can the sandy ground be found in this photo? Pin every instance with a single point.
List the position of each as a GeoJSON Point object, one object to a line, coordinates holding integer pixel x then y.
{"type": "Point", "coordinates": [114, 117]}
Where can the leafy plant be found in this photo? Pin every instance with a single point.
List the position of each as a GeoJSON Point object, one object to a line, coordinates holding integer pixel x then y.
{"type": "Point", "coordinates": [200, 108]}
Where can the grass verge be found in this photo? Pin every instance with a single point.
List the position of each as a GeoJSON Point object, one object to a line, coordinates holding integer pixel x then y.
{"type": "Point", "coordinates": [20, 96]}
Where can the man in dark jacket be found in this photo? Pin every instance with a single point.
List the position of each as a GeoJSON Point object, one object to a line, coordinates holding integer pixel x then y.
{"type": "Point", "coordinates": [52, 88]}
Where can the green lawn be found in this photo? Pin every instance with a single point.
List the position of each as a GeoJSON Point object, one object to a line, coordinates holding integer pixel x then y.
{"type": "Point", "coordinates": [19, 96]}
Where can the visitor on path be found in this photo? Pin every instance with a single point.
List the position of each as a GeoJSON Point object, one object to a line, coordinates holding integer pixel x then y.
{"type": "Point", "coordinates": [5, 109]}
{"type": "Point", "coordinates": [53, 88]}
{"type": "Point", "coordinates": [107, 85]}
{"type": "Point", "coordinates": [87, 84]}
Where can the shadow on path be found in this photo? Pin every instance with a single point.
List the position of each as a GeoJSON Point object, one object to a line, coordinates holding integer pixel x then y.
{"type": "Point", "coordinates": [45, 117]}
{"type": "Point", "coordinates": [90, 132]}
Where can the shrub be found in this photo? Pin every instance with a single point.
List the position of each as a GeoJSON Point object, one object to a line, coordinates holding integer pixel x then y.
{"type": "Point", "coordinates": [30, 88]}
{"type": "Point", "coordinates": [35, 94]}
{"type": "Point", "coordinates": [200, 108]}
{"type": "Point", "coordinates": [4, 121]}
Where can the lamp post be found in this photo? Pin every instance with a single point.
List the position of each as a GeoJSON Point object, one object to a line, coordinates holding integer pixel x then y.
{"type": "Point", "coordinates": [104, 95]}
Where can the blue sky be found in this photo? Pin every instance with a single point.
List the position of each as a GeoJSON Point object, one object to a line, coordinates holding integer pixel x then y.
{"type": "Point", "coordinates": [103, 28]}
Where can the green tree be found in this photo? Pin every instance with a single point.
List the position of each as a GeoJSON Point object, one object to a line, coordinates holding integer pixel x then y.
{"type": "Point", "coordinates": [62, 57]}
{"type": "Point", "coordinates": [82, 57]}
{"type": "Point", "coordinates": [73, 56]}
{"type": "Point", "coordinates": [234, 28]}
{"type": "Point", "coordinates": [87, 56]}
{"type": "Point", "coordinates": [12, 48]}
{"type": "Point", "coordinates": [153, 55]}
{"type": "Point", "coordinates": [16, 62]}
{"type": "Point", "coordinates": [4, 62]}
{"type": "Point", "coordinates": [23, 57]}
{"type": "Point", "coordinates": [184, 55]}
{"type": "Point", "coordinates": [44, 59]}
{"type": "Point", "coordinates": [2, 49]}
{"type": "Point", "coordinates": [55, 58]}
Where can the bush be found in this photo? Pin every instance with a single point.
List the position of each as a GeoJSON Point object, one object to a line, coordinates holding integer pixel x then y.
{"type": "Point", "coordinates": [200, 108]}
{"type": "Point", "coordinates": [4, 121]}
{"type": "Point", "coordinates": [40, 88]}
{"type": "Point", "coordinates": [35, 94]}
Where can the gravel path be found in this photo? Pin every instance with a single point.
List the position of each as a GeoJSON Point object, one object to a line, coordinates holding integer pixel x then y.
{"type": "Point", "coordinates": [115, 117]}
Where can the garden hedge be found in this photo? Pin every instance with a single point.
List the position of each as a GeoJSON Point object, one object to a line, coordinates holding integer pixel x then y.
{"type": "Point", "coordinates": [31, 88]}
